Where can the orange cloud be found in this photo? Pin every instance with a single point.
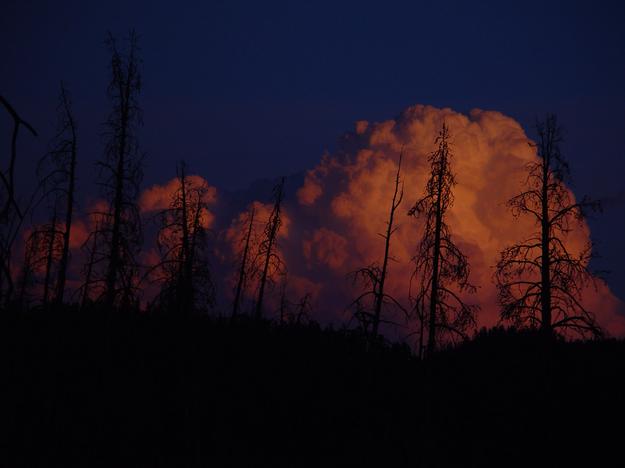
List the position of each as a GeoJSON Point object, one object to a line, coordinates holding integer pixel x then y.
{"type": "Point", "coordinates": [78, 234]}
{"type": "Point", "coordinates": [325, 247]}
{"type": "Point", "coordinates": [158, 197]}
{"type": "Point", "coordinates": [343, 205]}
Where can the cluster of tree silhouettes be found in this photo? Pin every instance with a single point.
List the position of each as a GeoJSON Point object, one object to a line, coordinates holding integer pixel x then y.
{"type": "Point", "coordinates": [112, 273]}
{"type": "Point", "coordinates": [539, 280]}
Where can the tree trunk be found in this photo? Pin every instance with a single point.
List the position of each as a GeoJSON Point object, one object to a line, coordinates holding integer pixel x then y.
{"type": "Point", "coordinates": [242, 273]}
{"type": "Point", "coordinates": [545, 266]}
{"type": "Point", "coordinates": [273, 232]}
{"type": "Point", "coordinates": [115, 257]}
{"type": "Point", "coordinates": [435, 262]}
{"type": "Point", "coordinates": [184, 276]}
{"type": "Point", "coordinates": [60, 289]}
{"type": "Point", "coordinates": [379, 296]}
{"type": "Point", "coordinates": [49, 261]}
{"type": "Point", "coordinates": [263, 280]}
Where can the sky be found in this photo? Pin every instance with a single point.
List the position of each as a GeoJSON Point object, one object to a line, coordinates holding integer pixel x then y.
{"type": "Point", "coordinates": [250, 90]}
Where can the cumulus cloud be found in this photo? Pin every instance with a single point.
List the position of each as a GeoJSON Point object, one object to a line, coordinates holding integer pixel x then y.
{"type": "Point", "coordinates": [342, 206]}
{"type": "Point", "coordinates": [159, 196]}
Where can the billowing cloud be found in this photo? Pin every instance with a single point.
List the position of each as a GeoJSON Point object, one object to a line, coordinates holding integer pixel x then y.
{"type": "Point", "coordinates": [159, 197]}
{"type": "Point", "coordinates": [342, 207]}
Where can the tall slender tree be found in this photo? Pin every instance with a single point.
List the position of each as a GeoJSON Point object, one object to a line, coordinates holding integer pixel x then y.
{"type": "Point", "coordinates": [267, 249]}
{"type": "Point", "coordinates": [121, 173]}
{"type": "Point", "coordinates": [11, 214]}
{"type": "Point", "coordinates": [7, 177]}
{"type": "Point", "coordinates": [374, 276]}
{"type": "Point", "coordinates": [65, 152]}
{"type": "Point", "coordinates": [439, 264]}
{"type": "Point", "coordinates": [244, 267]}
{"type": "Point", "coordinates": [57, 172]}
{"type": "Point", "coordinates": [540, 280]}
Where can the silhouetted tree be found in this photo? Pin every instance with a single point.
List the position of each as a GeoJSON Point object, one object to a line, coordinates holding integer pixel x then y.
{"type": "Point", "coordinates": [293, 313]}
{"type": "Point", "coordinates": [283, 306]}
{"type": "Point", "coordinates": [64, 153]}
{"type": "Point", "coordinates": [8, 177]}
{"type": "Point", "coordinates": [302, 310]}
{"type": "Point", "coordinates": [53, 252]}
{"type": "Point", "coordinates": [11, 215]}
{"type": "Point", "coordinates": [374, 275]}
{"type": "Point", "coordinates": [57, 182]}
{"type": "Point", "coordinates": [94, 260]}
{"type": "Point", "coordinates": [267, 247]}
{"type": "Point", "coordinates": [121, 173]}
{"type": "Point", "coordinates": [26, 278]}
{"type": "Point", "coordinates": [42, 251]}
{"type": "Point", "coordinates": [184, 272]}
{"type": "Point", "coordinates": [244, 267]}
{"type": "Point", "coordinates": [540, 281]}
{"type": "Point", "coordinates": [439, 263]}
{"type": "Point", "coordinates": [420, 312]}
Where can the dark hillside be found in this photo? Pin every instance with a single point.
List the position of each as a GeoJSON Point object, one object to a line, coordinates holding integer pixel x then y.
{"type": "Point", "coordinates": [126, 390]}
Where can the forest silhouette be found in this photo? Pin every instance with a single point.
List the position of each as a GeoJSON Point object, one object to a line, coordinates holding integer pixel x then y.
{"type": "Point", "coordinates": [101, 373]}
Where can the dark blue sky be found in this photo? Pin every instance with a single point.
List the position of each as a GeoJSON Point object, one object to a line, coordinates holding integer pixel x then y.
{"type": "Point", "coordinates": [243, 90]}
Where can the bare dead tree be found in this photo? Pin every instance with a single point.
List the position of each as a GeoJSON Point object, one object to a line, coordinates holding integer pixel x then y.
{"type": "Point", "coordinates": [56, 172]}
{"type": "Point", "coordinates": [121, 174]}
{"type": "Point", "coordinates": [374, 276]}
{"type": "Point", "coordinates": [53, 252]}
{"type": "Point", "coordinates": [64, 153]}
{"type": "Point", "coordinates": [243, 268]}
{"type": "Point", "coordinates": [42, 251]}
{"type": "Point", "coordinates": [94, 259]}
{"type": "Point", "coordinates": [27, 275]}
{"type": "Point", "coordinates": [9, 233]}
{"type": "Point", "coordinates": [293, 313]}
{"type": "Point", "coordinates": [302, 310]}
{"type": "Point", "coordinates": [8, 177]}
{"type": "Point", "coordinates": [267, 248]}
{"type": "Point", "coordinates": [183, 271]}
{"type": "Point", "coordinates": [420, 312]}
{"type": "Point", "coordinates": [11, 215]}
{"type": "Point", "coordinates": [439, 263]}
{"type": "Point", "coordinates": [540, 281]}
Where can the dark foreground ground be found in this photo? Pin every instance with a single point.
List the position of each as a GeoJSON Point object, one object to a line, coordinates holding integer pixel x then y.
{"type": "Point", "coordinates": [135, 391]}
